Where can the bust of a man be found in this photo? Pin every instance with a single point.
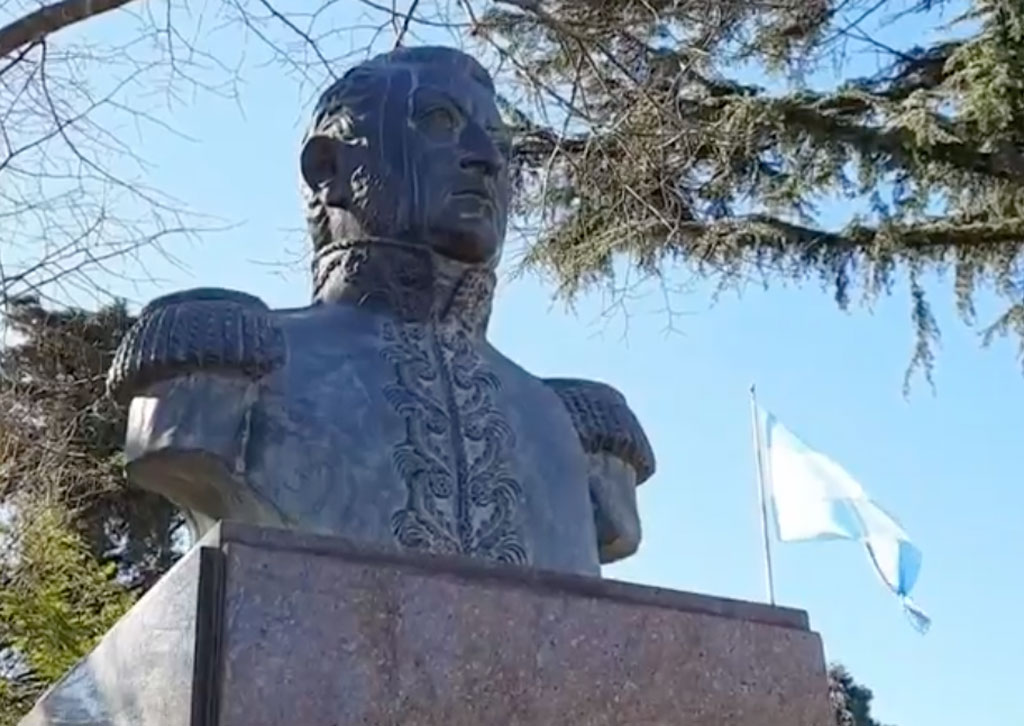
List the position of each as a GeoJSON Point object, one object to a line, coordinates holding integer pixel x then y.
{"type": "Point", "coordinates": [380, 413]}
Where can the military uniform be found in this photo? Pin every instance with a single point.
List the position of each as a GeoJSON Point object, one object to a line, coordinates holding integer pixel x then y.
{"type": "Point", "coordinates": [383, 416]}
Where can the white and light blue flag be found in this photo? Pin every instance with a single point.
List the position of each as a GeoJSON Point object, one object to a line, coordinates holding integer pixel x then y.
{"type": "Point", "coordinates": [814, 498]}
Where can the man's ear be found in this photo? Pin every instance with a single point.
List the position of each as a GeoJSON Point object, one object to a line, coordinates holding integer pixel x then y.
{"type": "Point", "coordinates": [327, 171]}
{"type": "Point", "coordinates": [319, 161]}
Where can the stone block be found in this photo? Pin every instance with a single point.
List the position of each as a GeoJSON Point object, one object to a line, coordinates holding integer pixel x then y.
{"type": "Point", "coordinates": [264, 627]}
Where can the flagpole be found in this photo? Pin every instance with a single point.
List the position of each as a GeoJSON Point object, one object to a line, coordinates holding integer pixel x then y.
{"type": "Point", "coordinates": [762, 496]}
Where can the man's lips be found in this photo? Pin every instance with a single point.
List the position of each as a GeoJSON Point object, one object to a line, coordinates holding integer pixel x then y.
{"type": "Point", "coordinates": [479, 194]}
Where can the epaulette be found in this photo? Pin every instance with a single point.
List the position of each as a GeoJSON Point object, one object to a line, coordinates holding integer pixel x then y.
{"type": "Point", "coordinates": [199, 330]}
{"type": "Point", "coordinates": [605, 423]}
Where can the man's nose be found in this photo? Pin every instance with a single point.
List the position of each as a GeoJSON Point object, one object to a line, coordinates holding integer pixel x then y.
{"type": "Point", "coordinates": [480, 155]}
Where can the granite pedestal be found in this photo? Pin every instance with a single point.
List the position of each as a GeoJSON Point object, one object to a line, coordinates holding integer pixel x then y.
{"type": "Point", "coordinates": [262, 627]}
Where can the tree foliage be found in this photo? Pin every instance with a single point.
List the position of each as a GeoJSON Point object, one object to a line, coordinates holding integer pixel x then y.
{"type": "Point", "coordinates": [851, 702]}
{"type": "Point", "coordinates": [661, 157]}
{"type": "Point", "coordinates": [61, 437]}
{"type": "Point", "coordinates": [56, 600]}
{"type": "Point", "coordinates": [76, 544]}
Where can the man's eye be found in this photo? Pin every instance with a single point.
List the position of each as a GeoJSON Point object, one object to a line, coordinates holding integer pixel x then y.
{"type": "Point", "coordinates": [438, 120]}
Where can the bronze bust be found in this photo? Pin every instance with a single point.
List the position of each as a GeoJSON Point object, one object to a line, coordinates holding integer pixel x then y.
{"type": "Point", "coordinates": [381, 413]}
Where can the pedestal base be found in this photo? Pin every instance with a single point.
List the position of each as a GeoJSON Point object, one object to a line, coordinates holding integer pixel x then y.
{"type": "Point", "coordinates": [261, 627]}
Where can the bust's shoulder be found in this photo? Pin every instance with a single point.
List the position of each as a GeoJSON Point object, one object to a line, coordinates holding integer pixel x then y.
{"type": "Point", "coordinates": [197, 330]}
{"type": "Point", "coordinates": [605, 423]}
{"type": "Point", "coordinates": [218, 296]}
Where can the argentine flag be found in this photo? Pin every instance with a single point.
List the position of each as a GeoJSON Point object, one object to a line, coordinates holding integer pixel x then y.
{"type": "Point", "coordinates": [814, 498]}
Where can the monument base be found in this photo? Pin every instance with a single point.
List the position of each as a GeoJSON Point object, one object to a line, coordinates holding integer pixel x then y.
{"type": "Point", "coordinates": [261, 627]}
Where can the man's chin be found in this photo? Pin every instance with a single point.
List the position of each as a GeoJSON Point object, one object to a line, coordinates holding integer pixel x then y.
{"type": "Point", "coordinates": [469, 249]}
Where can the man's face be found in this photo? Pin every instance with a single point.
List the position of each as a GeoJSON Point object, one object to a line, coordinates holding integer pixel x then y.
{"type": "Point", "coordinates": [426, 161]}
{"type": "Point", "coordinates": [460, 166]}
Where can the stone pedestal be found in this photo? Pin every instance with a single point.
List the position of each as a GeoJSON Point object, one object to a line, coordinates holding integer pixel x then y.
{"type": "Point", "coordinates": [260, 627]}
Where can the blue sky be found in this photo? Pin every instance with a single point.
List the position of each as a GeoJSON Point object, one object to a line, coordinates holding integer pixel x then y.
{"type": "Point", "coordinates": [948, 464]}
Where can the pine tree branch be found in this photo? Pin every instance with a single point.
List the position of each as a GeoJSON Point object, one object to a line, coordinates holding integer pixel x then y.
{"type": "Point", "coordinates": [899, 144]}
{"type": "Point", "coordinates": [48, 19]}
{"type": "Point", "coordinates": [828, 120]}
{"type": "Point", "coordinates": [836, 117]}
{"type": "Point", "coordinates": [758, 227]}
{"type": "Point", "coordinates": [919, 69]}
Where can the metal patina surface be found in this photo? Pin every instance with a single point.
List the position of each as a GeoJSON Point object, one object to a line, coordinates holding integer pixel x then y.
{"type": "Point", "coordinates": [380, 412]}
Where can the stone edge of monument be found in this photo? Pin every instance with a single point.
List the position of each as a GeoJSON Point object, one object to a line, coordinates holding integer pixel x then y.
{"type": "Point", "coordinates": [228, 532]}
{"type": "Point", "coordinates": [101, 689]}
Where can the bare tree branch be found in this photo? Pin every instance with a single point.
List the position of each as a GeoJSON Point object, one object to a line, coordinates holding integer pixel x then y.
{"type": "Point", "coordinates": [406, 20]}
{"type": "Point", "coordinates": [49, 19]}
